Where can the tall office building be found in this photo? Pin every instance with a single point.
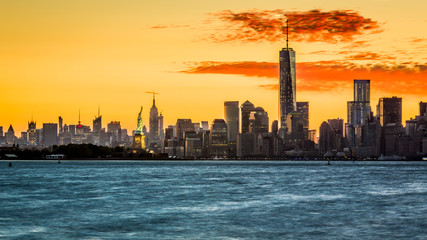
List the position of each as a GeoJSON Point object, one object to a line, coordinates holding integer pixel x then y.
{"type": "Point", "coordinates": [50, 134]}
{"type": "Point", "coordinates": [97, 126]}
{"type": "Point", "coordinates": [114, 128]}
{"type": "Point", "coordinates": [218, 138]}
{"type": "Point", "coordinates": [161, 129]}
{"type": "Point", "coordinates": [303, 108]}
{"type": "Point", "coordinates": [362, 90]}
{"type": "Point", "coordinates": [231, 113]}
{"type": "Point", "coordinates": [287, 83]}
{"type": "Point", "coordinates": [32, 133]}
{"type": "Point", "coordinates": [182, 126]}
{"type": "Point", "coordinates": [61, 129]}
{"type": "Point", "coordinates": [337, 128]}
{"type": "Point", "coordinates": [325, 138]}
{"type": "Point", "coordinates": [390, 110]}
{"type": "Point", "coordinates": [97, 123]}
{"type": "Point", "coordinates": [258, 121]}
{"type": "Point", "coordinates": [246, 108]}
{"type": "Point", "coordinates": [337, 125]}
{"type": "Point", "coordinates": [294, 137]}
{"type": "Point", "coordinates": [10, 135]}
{"type": "Point", "coordinates": [154, 124]}
{"type": "Point", "coordinates": [359, 108]}
{"type": "Point", "coordinates": [423, 108]}
{"type": "Point", "coordinates": [1, 131]}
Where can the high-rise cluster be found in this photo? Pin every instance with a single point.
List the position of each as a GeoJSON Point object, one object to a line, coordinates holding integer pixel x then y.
{"type": "Point", "coordinates": [370, 135]}
{"type": "Point", "coordinates": [244, 131]}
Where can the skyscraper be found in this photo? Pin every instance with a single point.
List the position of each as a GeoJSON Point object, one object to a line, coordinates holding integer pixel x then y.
{"type": "Point", "coordinates": [287, 83]}
{"type": "Point", "coordinates": [32, 133]}
{"type": "Point", "coordinates": [390, 110]}
{"type": "Point", "coordinates": [10, 135]}
{"type": "Point", "coordinates": [114, 128]}
{"type": "Point", "coordinates": [303, 108]}
{"type": "Point", "coordinates": [97, 123]}
{"type": "Point", "coordinates": [423, 108]}
{"type": "Point", "coordinates": [218, 138]}
{"type": "Point", "coordinates": [182, 126]}
{"type": "Point", "coordinates": [337, 126]}
{"type": "Point", "coordinates": [50, 134]}
{"type": "Point", "coordinates": [231, 113]}
{"type": "Point", "coordinates": [359, 108]}
{"type": "Point", "coordinates": [161, 130]}
{"type": "Point", "coordinates": [258, 121]}
{"type": "Point", "coordinates": [246, 107]}
{"type": "Point", "coordinates": [154, 123]}
{"type": "Point", "coordinates": [97, 126]}
{"type": "Point", "coordinates": [325, 138]}
{"type": "Point", "coordinates": [294, 137]}
{"type": "Point", "coordinates": [60, 124]}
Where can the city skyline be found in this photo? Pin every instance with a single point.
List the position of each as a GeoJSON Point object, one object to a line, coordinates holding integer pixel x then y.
{"type": "Point", "coordinates": [62, 57]}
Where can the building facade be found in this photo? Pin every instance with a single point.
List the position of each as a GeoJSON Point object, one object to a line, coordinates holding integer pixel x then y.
{"type": "Point", "coordinates": [231, 114]}
{"type": "Point", "coordinates": [50, 134]}
{"type": "Point", "coordinates": [287, 84]}
{"type": "Point", "coordinates": [218, 139]}
{"type": "Point", "coordinates": [390, 110]}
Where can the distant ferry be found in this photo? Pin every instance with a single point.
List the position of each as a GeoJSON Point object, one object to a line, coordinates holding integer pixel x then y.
{"type": "Point", "coordinates": [55, 157]}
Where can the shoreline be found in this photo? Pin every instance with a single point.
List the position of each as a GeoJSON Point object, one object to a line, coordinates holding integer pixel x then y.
{"type": "Point", "coordinates": [216, 160]}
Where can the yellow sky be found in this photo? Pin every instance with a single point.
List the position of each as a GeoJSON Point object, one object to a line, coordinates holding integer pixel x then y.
{"type": "Point", "coordinates": [57, 57]}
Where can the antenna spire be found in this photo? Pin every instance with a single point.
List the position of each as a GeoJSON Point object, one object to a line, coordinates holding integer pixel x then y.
{"type": "Point", "coordinates": [99, 110]}
{"type": "Point", "coordinates": [287, 34]}
{"type": "Point", "coordinates": [79, 116]}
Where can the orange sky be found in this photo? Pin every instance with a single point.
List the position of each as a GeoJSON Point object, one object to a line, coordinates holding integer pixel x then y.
{"type": "Point", "coordinates": [61, 56]}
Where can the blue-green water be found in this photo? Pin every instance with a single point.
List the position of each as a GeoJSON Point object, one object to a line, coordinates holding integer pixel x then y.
{"type": "Point", "coordinates": [213, 200]}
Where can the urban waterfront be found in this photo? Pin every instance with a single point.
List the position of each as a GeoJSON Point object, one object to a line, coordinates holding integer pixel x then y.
{"type": "Point", "coordinates": [213, 200]}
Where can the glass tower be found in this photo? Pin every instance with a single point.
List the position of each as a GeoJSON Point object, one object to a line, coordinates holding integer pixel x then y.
{"type": "Point", "coordinates": [390, 110]}
{"type": "Point", "coordinates": [359, 108]}
{"type": "Point", "coordinates": [231, 113]}
{"type": "Point", "coordinates": [287, 84]}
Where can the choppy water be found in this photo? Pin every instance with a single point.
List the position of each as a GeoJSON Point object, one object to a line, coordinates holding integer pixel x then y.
{"type": "Point", "coordinates": [213, 200]}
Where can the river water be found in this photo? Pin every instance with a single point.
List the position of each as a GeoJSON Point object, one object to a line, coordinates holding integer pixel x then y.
{"type": "Point", "coordinates": [213, 200]}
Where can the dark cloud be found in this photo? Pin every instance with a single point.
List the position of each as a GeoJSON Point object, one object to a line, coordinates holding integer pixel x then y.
{"type": "Point", "coordinates": [404, 78]}
{"type": "Point", "coordinates": [311, 26]}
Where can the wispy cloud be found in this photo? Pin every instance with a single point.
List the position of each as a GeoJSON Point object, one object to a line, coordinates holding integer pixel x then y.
{"type": "Point", "coordinates": [369, 56]}
{"type": "Point", "coordinates": [316, 25]}
{"type": "Point", "coordinates": [249, 69]}
{"type": "Point", "coordinates": [418, 40]}
{"type": "Point", "coordinates": [404, 78]}
{"type": "Point", "coordinates": [170, 26]}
